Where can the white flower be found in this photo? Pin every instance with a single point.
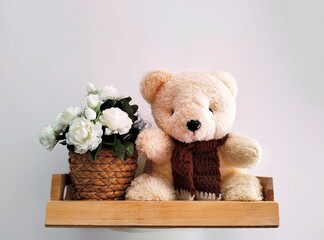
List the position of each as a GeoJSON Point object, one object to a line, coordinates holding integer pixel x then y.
{"type": "Point", "coordinates": [93, 101]}
{"type": "Point", "coordinates": [116, 121]}
{"type": "Point", "coordinates": [84, 135]}
{"type": "Point", "coordinates": [91, 89]}
{"type": "Point", "coordinates": [108, 92]}
{"type": "Point", "coordinates": [47, 138]}
{"type": "Point", "coordinates": [65, 118]}
{"type": "Point", "coordinates": [90, 114]}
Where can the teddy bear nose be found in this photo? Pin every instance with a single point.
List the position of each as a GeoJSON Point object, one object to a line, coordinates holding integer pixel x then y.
{"type": "Point", "coordinates": [193, 125]}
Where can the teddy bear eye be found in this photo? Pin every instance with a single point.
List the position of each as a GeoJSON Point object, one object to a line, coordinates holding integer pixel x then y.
{"type": "Point", "coordinates": [211, 110]}
{"type": "Point", "coordinates": [172, 111]}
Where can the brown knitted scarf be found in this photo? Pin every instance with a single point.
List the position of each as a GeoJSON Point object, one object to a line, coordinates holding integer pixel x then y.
{"type": "Point", "coordinates": [195, 166]}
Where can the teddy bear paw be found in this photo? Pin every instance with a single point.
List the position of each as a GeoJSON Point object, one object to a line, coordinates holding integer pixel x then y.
{"type": "Point", "coordinates": [242, 187]}
{"type": "Point", "coordinates": [148, 188]}
{"type": "Point", "coordinates": [185, 195]}
{"type": "Point", "coordinates": [208, 196]}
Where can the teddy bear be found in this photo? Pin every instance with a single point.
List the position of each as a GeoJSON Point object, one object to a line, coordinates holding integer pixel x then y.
{"type": "Point", "coordinates": [193, 154]}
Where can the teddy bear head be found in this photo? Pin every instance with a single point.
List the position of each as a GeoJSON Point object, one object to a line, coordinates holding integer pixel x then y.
{"type": "Point", "coordinates": [191, 106]}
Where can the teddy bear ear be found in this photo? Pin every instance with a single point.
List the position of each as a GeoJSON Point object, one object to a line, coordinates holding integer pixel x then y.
{"type": "Point", "coordinates": [152, 82]}
{"type": "Point", "coordinates": [228, 80]}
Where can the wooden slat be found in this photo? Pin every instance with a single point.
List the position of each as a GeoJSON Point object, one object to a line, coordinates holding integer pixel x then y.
{"type": "Point", "coordinates": [59, 182]}
{"type": "Point", "coordinates": [161, 214]}
{"type": "Point", "coordinates": [267, 188]}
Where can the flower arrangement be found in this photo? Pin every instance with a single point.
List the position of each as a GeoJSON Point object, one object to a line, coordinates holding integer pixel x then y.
{"type": "Point", "coordinates": [106, 120]}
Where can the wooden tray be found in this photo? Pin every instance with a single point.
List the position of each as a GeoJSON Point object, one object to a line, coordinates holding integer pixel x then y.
{"type": "Point", "coordinates": [62, 212]}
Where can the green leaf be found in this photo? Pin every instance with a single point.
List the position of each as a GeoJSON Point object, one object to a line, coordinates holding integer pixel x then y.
{"type": "Point", "coordinates": [131, 136]}
{"type": "Point", "coordinates": [70, 148]}
{"type": "Point", "coordinates": [93, 154]}
{"type": "Point", "coordinates": [109, 140]}
{"type": "Point", "coordinates": [108, 104]}
{"type": "Point", "coordinates": [123, 150]}
{"type": "Point", "coordinates": [127, 99]}
{"type": "Point", "coordinates": [129, 149]}
{"type": "Point", "coordinates": [129, 112]}
{"type": "Point", "coordinates": [119, 150]}
{"type": "Point", "coordinates": [60, 137]}
{"type": "Point", "coordinates": [135, 108]}
{"type": "Point", "coordinates": [126, 107]}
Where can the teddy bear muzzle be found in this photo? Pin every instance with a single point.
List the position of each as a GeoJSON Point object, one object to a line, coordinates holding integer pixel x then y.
{"type": "Point", "coordinates": [193, 125]}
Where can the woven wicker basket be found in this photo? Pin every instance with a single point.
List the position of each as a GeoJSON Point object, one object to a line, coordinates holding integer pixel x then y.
{"type": "Point", "coordinates": [104, 179]}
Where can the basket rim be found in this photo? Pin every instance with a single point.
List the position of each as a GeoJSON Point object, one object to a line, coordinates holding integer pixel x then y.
{"type": "Point", "coordinates": [103, 156]}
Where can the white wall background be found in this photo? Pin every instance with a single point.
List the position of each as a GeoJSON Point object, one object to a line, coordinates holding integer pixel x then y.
{"type": "Point", "coordinates": [49, 51]}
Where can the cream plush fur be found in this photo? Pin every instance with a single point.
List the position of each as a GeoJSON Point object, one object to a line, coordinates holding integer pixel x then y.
{"type": "Point", "coordinates": [175, 100]}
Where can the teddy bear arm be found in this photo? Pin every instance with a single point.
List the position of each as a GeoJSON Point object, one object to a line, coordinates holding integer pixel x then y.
{"type": "Point", "coordinates": [239, 151]}
{"type": "Point", "coordinates": [154, 145]}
